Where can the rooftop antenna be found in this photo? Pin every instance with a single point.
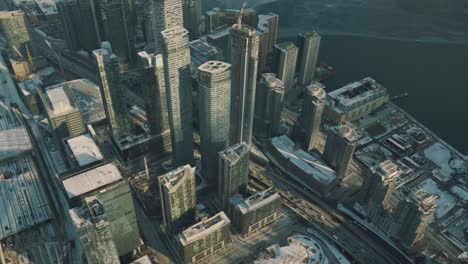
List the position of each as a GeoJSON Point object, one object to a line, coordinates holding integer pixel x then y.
{"type": "Point", "coordinates": [241, 13]}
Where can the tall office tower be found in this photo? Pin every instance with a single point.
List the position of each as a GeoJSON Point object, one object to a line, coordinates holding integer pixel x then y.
{"type": "Point", "coordinates": [162, 15]}
{"type": "Point", "coordinates": [178, 197]}
{"type": "Point", "coordinates": [233, 172]}
{"type": "Point", "coordinates": [106, 184]}
{"type": "Point", "coordinates": [268, 105]}
{"type": "Point", "coordinates": [381, 187]}
{"type": "Point", "coordinates": [262, 51]}
{"type": "Point", "coordinates": [312, 111]}
{"type": "Point", "coordinates": [413, 215]}
{"type": "Point", "coordinates": [244, 44]}
{"type": "Point", "coordinates": [63, 111]}
{"type": "Point", "coordinates": [111, 89]}
{"type": "Point", "coordinates": [193, 17]}
{"type": "Point", "coordinates": [285, 59]}
{"type": "Point", "coordinates": [339, 148]}
{"type": "Point", "coordinates": [309, 44]}
{"type": "Point", "coordinates": [69, 16]}
{"type": "Point", "coordinates": [118, 21]}
{"type": "Point", "coordinates": [154, 92]}
{"type": "Point", "coordinates": [179, 92]}
{"type": "Point", "coordinates": [214, 93]}
{"type": "Point", "coordinates": [14, 28]}
{"type": "Point", "coordinates": [269, 22]}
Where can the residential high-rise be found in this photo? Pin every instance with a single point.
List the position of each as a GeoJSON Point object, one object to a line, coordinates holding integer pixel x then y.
{"type": "Point", "coordinates": [162, 15]}
{"type": "Point", "coordinates": [339, 148]}
{"type": "Point", "coordinates": [14, 28]}
{"type": "Point", "coordinates": [111, 89]}
{"type": "Point", "coordinates": [214, 93]}
{"type": "Point", "coordinates": [381, 187]}
{"type": "Point", "coordinates": [204, 239]}
{"type": "Point", "coordinates": [193, 17]}
{"type": "Point", "coordinates": [178, 198]}
{"type": "Point", "coordinates": [309, 44]}
{"type": "Point", "coordinates": [268, 105]}
{"type": "Point", "coordinates": [118, 21]}
{"type": "Point", "coordinates": [244, 45]}
{"type": "Point", "coordinates": [179, 92]}
{"type": "Point", "coordinates": [312, 111]}
{"type": "Point", "coordinates": [233, 172]}
{"type": "Point", "coordinates": [63, 111]}
{"type": "Point", "coordinates": [285, 59]}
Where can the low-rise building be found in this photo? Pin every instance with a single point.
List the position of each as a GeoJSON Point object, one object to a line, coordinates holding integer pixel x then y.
{"type": "Point", "coordinates": [254, 212]}
{"type": "Point", "coordinates": [82, 151]}
{"type": "Point", "coordinates": [204, 239]}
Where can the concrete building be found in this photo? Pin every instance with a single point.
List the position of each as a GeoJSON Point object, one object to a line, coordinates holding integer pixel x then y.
{"type": "Point", "coordinates": [214, 93]}
{"type": "Point", "coordinates": [339, 148]}
{"type": "Point", "coordinates": [220, 39]}
{"type": "Point", "coordinates": [309, 44]}
{"type": "Point", "coordinates": [83, 152]}
{"type": "Point", "coordinates": [162, 15]}
{"type": "Point", "coordinates": [233, 172]}
{"type": "Point", "coordinates": [14, 28]}
{"type": "Point", "coordinates": [194, 20]}
{"type": "Point", "coordinates": [111, 90]}
{"type": "Point", "coordinates": [220, 17]}
{"type": "Point", "coordinates": [381, 187]}
{"type": "Point", "coordinates": [178, 198]}
{"type": "Point", "coordinates": [202, 51]}
{"type": "Point", "coordinates": [63, 112]}
{"type": "Point", "coordinates": [244, 45]}
{"type": "Point", "coordinates": [312, 111]}
{"type": "Point", "coordinates": [269, 22]}
{"type": "Point", "coordinates": [204, 239]}
{"type": "Point", "coordinates": [94, 231]}
{"type": "Point", "coordinates": [285, 60]}
{"type": "Point", "coordinates": [179, 93]}
{"type": "Point", "coordinates": [105, 184]}
{"type": "Point", "coordinates": [263, 55]}
{"type": "Point", "coordinates": [254, 212]}
{"type": "Point", "coordinates": [355, 100]}
{"type": "Point", "coordinates": [268, 106]}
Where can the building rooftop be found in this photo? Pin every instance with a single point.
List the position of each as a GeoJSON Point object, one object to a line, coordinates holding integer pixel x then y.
{"type": "Point", "coordinates": [84, 150]}
{"type": "Point", "coordinates": [235, 153]}
{"type": "Point", "coordinates": [286, 46]}
{"type": "Point", "coordinates": [88, 97]}
{"type": "Point", "coordinates": [317, 89]}
{"type": "Point", "coordinates": [215, 67]}
{"type": "Point", "coordinates": [59, 100]}
{"type": "Point", "coordinates": [358, 91]}
{"type": "Point", "coordinates": [173, 179]}
{"type": "Point", "coordinates": [199, 47]}
{"type": "Point", "coordinates": [271, 81]}
{"type": "Point", "coordinates": [174, 32]}
{"type": "Point", "coordinates": [255, 201]}
{"type": "Point", "coordinates": [23, 200]}
{"type": "Point", "coordinates": [346, 132]}
{"type": "Point", "coordinates": [14, 138]}
{"type": "Point", "coordinates": [203, 228]}
{"type": "Point", "coordinates": [310, 34]}
{"type": "Point", "coordinates": [309, 164]}
{"type": "Point", "coordinates": [91, 180]}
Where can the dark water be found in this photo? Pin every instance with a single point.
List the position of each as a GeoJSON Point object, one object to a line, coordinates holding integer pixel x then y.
{"type": "Point", "coordinates": [434, 75]}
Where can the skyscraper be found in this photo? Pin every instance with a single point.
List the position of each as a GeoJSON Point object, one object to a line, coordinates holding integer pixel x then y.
{"type": "Point", "coordinates": [244, 45]}
{"type": "Point", "coordinates": [179, 92]}
{"type": "Point", "coordinates": [269, 22]}
{"type": "Point", "coordinates": [111, 89]}
{"type": "Point", "coordinates": [233, 172]}
{"type": "Point", "coordinates": [14, 28]}
{"type": "Point", "coordinates": [162, 15]}
{"type": "Point", "coordinates": [263, 54]}
{"type": "Point", "coordinates": [178, 197]}
{"type": "Point", "coordinates": [285, 59]}
{"type": "Point", "coordinates": [268, 105]}
{"type": "Point", "coordinates": [382, 184]}
{"type": "Point", "coordinates": [339, 148]}
{"type": "Point", "coordinates": [312, 111]}
{"type": "Point", "coordinates": [193, 17]}
{"type": "Point", "coordinates": [309, 44]}
{"type": "Point", "coordinates": [214, 78]}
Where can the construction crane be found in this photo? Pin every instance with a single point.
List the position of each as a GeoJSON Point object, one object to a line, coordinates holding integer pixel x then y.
{"type": "Point", "coordinates": [241, 14]}
{"type": "Point", "coordinates": [30, 59]}
{"type": "Point", "coordinates": [17, 51]}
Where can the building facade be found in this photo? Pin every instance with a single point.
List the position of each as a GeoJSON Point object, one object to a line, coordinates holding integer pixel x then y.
{"type": "Point", "coordinates": [309, 44]}
{"type": "Point", "coordinates": [339, 149]}
{"type": "Point", "coordinates": [285, 59]}
{"type": "Point", "coordinates": [14, 28]}
{"type": "Point", "coordinates": [254, 212]}
{"type": "Point", "coordinates": [269, 22]}
{"type": "Point", "coordinates": [111, 90]}
{"type": "Point", "coordinates": [204, 239]}
{"type": "Point", "coordinates": [244, 45]}
{"type": "Point", "coordinates": [193, 17]}
{"type": "Point", "coordinates": [268, 106]}
{"type": "Point", "coordinates": [178, 198]}
{"type": "Point", "coordinates": [312, 111]}
{"type": "Point", "coordinates": [179, 92]}
{"type": "Point", "coordinates": [214, 92]}
{"type": "Point", "coordinates": [233, 172]}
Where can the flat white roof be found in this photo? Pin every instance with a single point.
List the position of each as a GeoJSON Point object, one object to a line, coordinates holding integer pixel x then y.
{"type": "Point", "coordinates": [14, 142]}
{"type": "Point", "coordinates": [91, 180]}
{"type": "Point", "coordinates": [85, 150]}
{"type": "Point", "coordinates": [59, 100]}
